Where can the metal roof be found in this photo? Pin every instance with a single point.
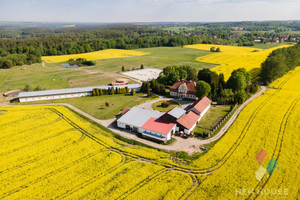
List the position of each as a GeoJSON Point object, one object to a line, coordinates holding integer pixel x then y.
{"type": "Point", "coordinates": [137, 117]}
{"type": "Point", "coordinates": [73, 90]}
{"type": "Point", "coordinates": [176, 112]}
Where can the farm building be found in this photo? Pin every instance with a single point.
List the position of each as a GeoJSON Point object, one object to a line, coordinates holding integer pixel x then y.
{"type": "Point", "coordinates": [196, 111]}
{"type": "Point", "coordinates": [147, 123]}
{"type": "Point", "coordinates": [184, 89]}
{"type": "Point", "coordinates": [173, 114]}
{"type": "Point", "coordinates": [68, 93]}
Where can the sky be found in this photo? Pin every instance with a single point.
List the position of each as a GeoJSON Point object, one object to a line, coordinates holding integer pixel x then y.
{"type": "Point", "coordinates": [148, 10]}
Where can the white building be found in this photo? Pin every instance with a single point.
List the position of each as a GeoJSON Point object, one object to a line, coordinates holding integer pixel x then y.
{"type": "Point", "coordinates": [147, 123]}
{"type": "Point", "coordinates": [68, 93]}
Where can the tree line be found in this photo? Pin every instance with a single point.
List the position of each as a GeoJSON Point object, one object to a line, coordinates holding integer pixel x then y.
{"type": "Point", "coordinates": [279, 62]}
{"type": "Point", "coordinates": [111, 91]}
{"type": "Point", "coordinates": [208, 83]}
{"type": "Point", "coordinates": [28, 51]}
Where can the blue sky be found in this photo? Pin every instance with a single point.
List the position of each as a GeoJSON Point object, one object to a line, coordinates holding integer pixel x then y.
{"type": "Point", "coordinates": [148, 10]}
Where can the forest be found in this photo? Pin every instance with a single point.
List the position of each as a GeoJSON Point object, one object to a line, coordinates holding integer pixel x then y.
{"type": "Point", "coordinates": [25, 43]}
{"type": "Point", "coordinates": [279, 62]}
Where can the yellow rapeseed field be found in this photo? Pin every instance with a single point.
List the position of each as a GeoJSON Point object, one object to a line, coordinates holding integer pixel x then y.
{"type": "Point", "coordinates": [49, 152]}
{"type": "Point", "coordinates": [233, 57]}
{"type": "Point", "coordinates": [96, 55]}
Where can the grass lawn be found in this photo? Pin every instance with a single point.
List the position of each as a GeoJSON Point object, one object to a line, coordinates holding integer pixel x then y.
{"type": "Point", "coordinates": [213, 114]}
{"type": "Point", "coordinates": [95, 106]}
{"type": "Point", "coordinates": [157, 106]}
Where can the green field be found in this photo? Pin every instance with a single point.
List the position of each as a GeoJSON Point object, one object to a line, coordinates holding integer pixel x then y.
{"type": "Point", "coordinates": [96, 107]}
{"type": "Point", "coordinates": [212, 115]}
{"type": "Point", "coordinates": [159, 57]}
{"type": "Point", "coordinates": [157, 106]}
{"type": "Point", "coordinates": [55, 76]}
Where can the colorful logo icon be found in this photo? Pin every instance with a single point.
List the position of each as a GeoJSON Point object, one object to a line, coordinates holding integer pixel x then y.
{"type": "Point", "coordinates": [261, 171]}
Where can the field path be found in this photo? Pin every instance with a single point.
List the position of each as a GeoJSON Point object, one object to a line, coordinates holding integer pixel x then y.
{"type": "Point", "coordinates": [189, 145]}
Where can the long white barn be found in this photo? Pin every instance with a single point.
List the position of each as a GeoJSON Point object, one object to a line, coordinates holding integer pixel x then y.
{"type": "Point", "coordinates": [68, 93]}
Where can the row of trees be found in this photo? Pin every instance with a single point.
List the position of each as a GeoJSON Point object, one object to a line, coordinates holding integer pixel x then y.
{"type": "Point", "coordinates": [111, 91]}
{"type": "Point", "coordinates": [279, 62]}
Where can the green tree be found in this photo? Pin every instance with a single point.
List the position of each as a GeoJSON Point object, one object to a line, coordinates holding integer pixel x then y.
{"type": "Point", "coordinates": [126, 89]}
{"type": "Point", "coordinates": [240, 96]}
{"type": "Point", "coordinates": [100, 92]}
{"type": "Point", "coordinates": [202, 89]}
{"type": "Point", "coordinates": [94, 92]}
{"type": "Point", "coordinates": [38, 88]}
{"type": "Point", "coordinates": [218, 49]}
{"type": "Point", "coordinates": [212, 49]}
{"type": "Point", "coordinates": [123, 69]}
{"type": "Point", "coordinates": [111, 91]}
{"type": "Point", "coordinates": [132, 92]}
{"type": "Point", "coordinates": [142, 66]}
{"type": "Point", "coordinates": [28, 87]}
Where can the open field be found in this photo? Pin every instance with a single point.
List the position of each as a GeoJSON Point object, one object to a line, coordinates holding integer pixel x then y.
{"type": "Point", "coordinates": [234, 57]}
{"type": "Point", "coordinates": [159, 57]}
{"type": "Point", "coordinates": [95, 105]}
{"type": "Point", "coordinates": [55, 76]}
{"type": "Point", "coordinates": [96, 55]}
{"type": "Point", "coordinates": [50, 152]}
{"type": "Point", "coordinates": [52, 77]}
{"type": "Point", "coordinates": [271, 122]}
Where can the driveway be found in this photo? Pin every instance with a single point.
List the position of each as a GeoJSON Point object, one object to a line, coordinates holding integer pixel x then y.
{"type": "Point", "coordinates": [189, 145]}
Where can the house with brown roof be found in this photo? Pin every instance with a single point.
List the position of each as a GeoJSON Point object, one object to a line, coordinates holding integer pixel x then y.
{"type": "Point", "coordinates": [196, 111]}
{"type": "Point", "coordinates": [184, 89]}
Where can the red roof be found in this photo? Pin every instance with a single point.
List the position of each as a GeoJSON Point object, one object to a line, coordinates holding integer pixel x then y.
{"type": "Point", "coordinates": [190, 85]}
{"type": "Point", "coordinates": [158, 125]}
{"type": "Point", "coordinates": [188, 120]}
{"type": "Point", "coordinates": [200, 105]}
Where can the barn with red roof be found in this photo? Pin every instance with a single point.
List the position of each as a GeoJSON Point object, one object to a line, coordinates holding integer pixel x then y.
{"type": "Point", "coordinates": [196, 111]}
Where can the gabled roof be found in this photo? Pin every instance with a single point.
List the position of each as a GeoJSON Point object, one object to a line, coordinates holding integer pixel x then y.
{"type": "Point", "coordinates": [137, 117]}
{"type": "Point", "coordinates": [201, 105]}
{"type": "Point", "coordinates": [176, 112]}
{"type": "Point", "coordinates": [158, 126]}
{"type": "Point", "coordinates": [190, 85]}
{"type": "Point", "coordinates": [188, 120]}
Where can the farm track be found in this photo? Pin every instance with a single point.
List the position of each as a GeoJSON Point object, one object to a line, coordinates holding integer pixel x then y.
{"type": "Point", "coordinates": [142, 183]}
{"type": "Point", "coordinates": [195, 184]}
{"type": "Point", "coordinates": [35, 142]}
{"type": "Point", "coordinates": [276, 153]}
{"type": "Point", "coordinates": [44, 177]}
{"type": "Point", "coordinates": [41, 157]}
{"type": "Point", "coordinates": [93, 179]}
{"type": "Point", "coordinates": [31, 128]}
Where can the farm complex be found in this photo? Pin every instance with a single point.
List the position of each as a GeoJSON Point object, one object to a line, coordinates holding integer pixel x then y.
{"type": "Point", "coordinates": [178, 117]}
{"type": "Point", "coordinates": [161, 126]}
